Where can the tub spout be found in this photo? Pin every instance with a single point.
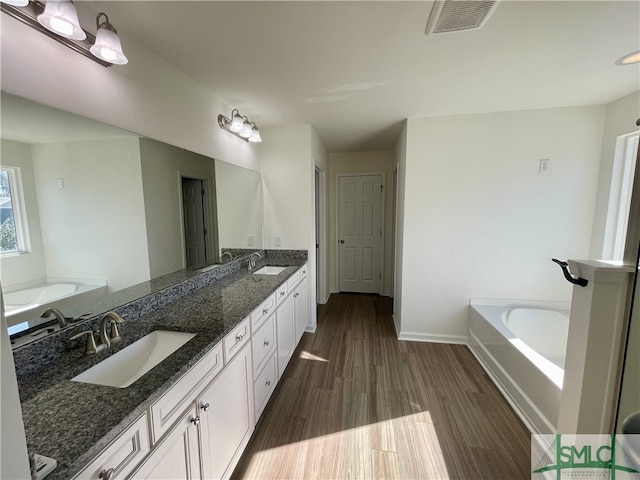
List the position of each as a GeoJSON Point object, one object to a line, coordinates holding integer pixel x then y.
{"type": "Point", "coordinates": [565, 269]}
{"type": "Point", "coordinates": [62, 320]}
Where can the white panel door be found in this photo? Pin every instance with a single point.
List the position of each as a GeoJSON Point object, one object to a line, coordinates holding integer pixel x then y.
{"type": "Point", "coordinates": [360, 232]}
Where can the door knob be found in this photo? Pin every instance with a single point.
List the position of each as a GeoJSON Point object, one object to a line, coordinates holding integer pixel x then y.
{"type": "Point", "coordinates": [341, 241]}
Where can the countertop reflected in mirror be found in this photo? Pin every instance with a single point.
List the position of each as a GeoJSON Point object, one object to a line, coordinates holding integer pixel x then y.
{"type": "Point", "coordinates": [108, 205]}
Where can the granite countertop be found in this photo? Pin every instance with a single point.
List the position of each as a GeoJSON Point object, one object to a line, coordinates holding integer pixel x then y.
{"type": "Point", "coordinates": [72, 422]}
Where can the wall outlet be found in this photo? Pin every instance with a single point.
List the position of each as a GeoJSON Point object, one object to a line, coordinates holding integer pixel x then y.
{"type": "Point", "coordinates": [61, 183]}
{"type": "Point", "coordinates": [545, 166]}
{"type": "Point", "coordinates": [277, 241]}
{"type": "Point", "coordinates": [249, 240]}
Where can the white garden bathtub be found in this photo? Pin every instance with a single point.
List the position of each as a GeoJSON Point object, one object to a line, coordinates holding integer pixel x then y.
{"type": "Point", "coordinates": [521, 345]}
{"type": "Point", "coordinates": [27, 301]}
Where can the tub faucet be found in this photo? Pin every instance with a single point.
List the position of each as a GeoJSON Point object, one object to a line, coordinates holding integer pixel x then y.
{"type": "Point", "coordinates": [113, 319]}
{"type": "Point", "coordinates": [227, 253]}
{"type": "Point", "coordinates": [62, 320]}
{"type": "Point", "coordinates": [253, 259]}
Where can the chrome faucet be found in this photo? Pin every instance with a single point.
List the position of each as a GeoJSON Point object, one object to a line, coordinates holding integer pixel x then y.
{"type": "Point", "coordinates": [113, 319]}
{"type": "Point", "coordinates": [253, 259]}
{"type": "Point", "coordinates": [227, 253]}
{"type": "Point", "coordinates": [62, 320]}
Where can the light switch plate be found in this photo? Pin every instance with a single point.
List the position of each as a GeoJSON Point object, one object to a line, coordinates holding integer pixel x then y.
{"type": "Point", "coordinates": [545, 166]}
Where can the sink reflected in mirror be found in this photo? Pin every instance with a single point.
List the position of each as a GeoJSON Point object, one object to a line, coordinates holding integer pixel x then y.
{"type": "Point", "coordinates": [129, 364]}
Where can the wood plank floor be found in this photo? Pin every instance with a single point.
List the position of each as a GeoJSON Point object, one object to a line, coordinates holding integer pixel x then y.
{"type": "Point", "coordinates": [356, 403]}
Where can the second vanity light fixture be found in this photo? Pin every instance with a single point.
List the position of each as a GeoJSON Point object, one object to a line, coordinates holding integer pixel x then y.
{"type": "Point", "coordinates": [240, 127]}
{"type": "Point", "coordinates": [58, 19]}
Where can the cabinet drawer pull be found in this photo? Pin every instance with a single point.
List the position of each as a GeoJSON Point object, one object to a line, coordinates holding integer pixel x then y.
{"type": "Point", "coordinates": [195, 421]}
{"type": "Point", "coordinates": [205, 407]}
{"type": "Point", "coordinates": [265, 311]}
{"type": "Point", "coordinates": [295, 295]}
{"type": "Point", "coordinates": [239, 337]}
{"type": "Point", "coordinates": [268, 383]}
{"type": "Point", "coordinates": [107, 474]}
{"type": "Point", "coordinates": [282, 293]}
{"type": "Point", "coordinates": [266, 343]}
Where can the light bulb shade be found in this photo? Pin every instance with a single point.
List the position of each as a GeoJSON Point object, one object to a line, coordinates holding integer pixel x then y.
{"type": "Point", "coordinates": [246, 130]}
{"type": "Point", "coordinates": [108, 47]}
{"type": "Point", "coordinates": [255, 135]}
{"type": "Point", "coordinates": [61, 18]}
{"type": "Point", "coordinates": [16, 3]}
{"type": "Point", "coordinates": [237, 124]}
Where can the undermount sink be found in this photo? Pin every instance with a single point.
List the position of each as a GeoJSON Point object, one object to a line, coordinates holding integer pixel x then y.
{"type": "Point", "coordinates": [129, 364]}
{"type": "Point", "coordinates": [269, 270]}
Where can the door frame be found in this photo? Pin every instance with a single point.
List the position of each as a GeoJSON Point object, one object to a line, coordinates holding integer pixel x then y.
{"type": "Point", "coordinates": [382, 224]}
{"type": "Point", "coordinates": [322, 294]}
{"type": "Point", "coordinates": [210, 241]}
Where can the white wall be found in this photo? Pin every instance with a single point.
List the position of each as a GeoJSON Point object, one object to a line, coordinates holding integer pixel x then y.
{"type": "Point", "coordinates": [400, 153]}
{"type": "Point", "coordinates": [27, 266]}
{"type": "Point", "coordinates": [479, 220]}
{"type": "Point", "coordinates": [288, 178]}
{"type": "Point", "coordinates": [94, 227]}
{"type": "Point", "coordinates": [378, 161]}
{"type": "Point", "coordinates": [620, 119]}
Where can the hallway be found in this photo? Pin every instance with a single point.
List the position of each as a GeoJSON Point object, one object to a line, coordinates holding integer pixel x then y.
{"type": "Point", "coordinates": [355, 402]}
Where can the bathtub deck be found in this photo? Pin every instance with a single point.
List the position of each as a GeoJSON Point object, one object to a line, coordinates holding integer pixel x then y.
{"type": "Point", "coordinates": [361, 404]}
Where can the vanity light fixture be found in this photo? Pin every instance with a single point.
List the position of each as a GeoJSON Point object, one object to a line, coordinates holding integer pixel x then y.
{"type": "Point", "coordinates": [108, 46]}
{"type": "Point", "coordinates": [240, 126]}
{"type": "Point", "coordinates": [58, 20]}
{"type": "Point", "coordinates": [61, 18]}
{"type": "Point", "coordinates": [17, 3]}
{"type": "Point", "coordinates": [629, 58]}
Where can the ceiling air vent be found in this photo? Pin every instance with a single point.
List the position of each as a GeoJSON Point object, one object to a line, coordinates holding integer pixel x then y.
{"type": "Point", "coordinates": [456, 15]}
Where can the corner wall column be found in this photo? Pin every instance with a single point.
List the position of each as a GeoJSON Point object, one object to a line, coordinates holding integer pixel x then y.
{"type": "Point", "coordinates": [596, 329]}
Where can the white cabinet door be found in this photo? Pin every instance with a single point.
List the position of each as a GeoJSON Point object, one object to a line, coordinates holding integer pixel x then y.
{"type": "Point", "coordinates": [122, 456]}
{"type": "Point", "coordinates": [286, 332]}
{"type": "Point", "coordinates": [177, 455]}
{"type": "Point", "coordinates": [300, 308]}
{"type": "Point", "coordinates": [226, 412]}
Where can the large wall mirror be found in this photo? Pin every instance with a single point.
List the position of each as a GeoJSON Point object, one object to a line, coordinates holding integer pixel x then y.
{"type": "Point", "coordinates": [95, 209]}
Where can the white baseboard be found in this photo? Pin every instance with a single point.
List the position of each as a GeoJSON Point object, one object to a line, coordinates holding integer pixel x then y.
{"type": "Point", "coordinates": [431, 337]}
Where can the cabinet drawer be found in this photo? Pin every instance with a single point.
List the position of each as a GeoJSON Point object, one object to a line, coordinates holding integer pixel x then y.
{"type": "Point", "coordinates": [293, 280]}
{"type": "Point", "coordinates": [235, 339]}
{"type": "Point", "coordinates": [123, 455]}
{"type": "Point", "coordinates": [281, 292]}
{"type": "Point", "coordinates": [265, 384]}
{"type": "Point", "coordinates": [262, 312]}
{"type": "Point", "coordinates": [168, 409]}
{"type": "Point", "coordinates": [263, 343]}
{"type": "Point", "coordinates": [296, 278]}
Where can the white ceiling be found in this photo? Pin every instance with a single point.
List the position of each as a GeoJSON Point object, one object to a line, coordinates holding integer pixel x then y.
{"type": "Point", "coordinates": [355, 70]}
